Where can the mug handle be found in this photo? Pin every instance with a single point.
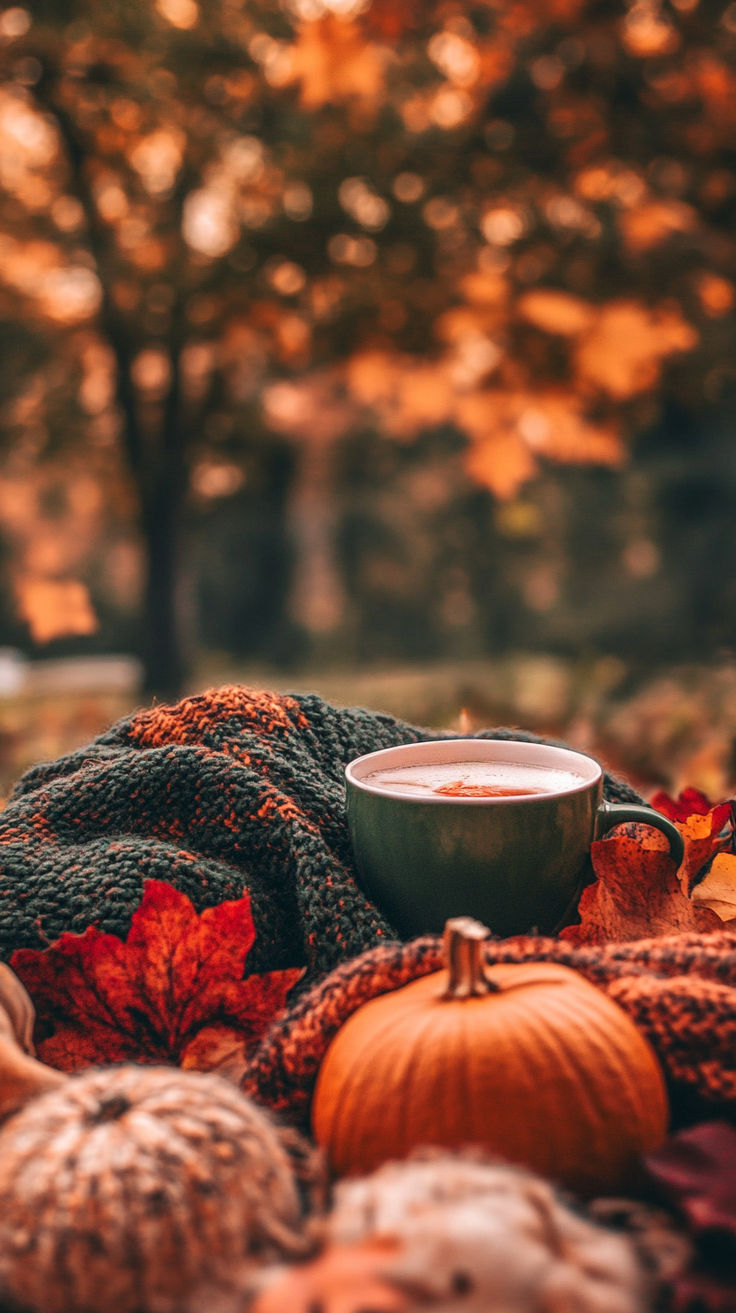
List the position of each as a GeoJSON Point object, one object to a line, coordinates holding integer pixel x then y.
{"type": "Point", "coordinates": [615, 813]}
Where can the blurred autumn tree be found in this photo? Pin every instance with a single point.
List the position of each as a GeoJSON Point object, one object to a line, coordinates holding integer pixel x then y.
{"type": "Point", "coordinates": [309, 218]}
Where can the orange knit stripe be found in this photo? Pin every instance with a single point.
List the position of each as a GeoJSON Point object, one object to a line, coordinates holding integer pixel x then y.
{"type": "Point", "coordinates": [192, 718]}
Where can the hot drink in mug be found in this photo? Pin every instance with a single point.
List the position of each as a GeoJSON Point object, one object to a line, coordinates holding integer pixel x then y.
{"type": "Point", "coordinates": [473, 779]}
{"type": "Point", "coordinates": [488, 828]}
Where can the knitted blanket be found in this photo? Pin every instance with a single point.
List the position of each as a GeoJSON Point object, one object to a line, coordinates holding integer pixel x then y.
{"type": "Point", "coordinates": [234, 790]}
{"type": "Point", "coordinates": [680, 990]}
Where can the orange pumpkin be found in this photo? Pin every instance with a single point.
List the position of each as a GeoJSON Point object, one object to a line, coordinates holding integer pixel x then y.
{"type": "Point", "coordinates": [529, 1061]}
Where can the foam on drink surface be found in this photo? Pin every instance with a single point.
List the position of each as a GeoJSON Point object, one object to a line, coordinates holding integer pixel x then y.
{"type": "Point", "coordinates": [473, 779]}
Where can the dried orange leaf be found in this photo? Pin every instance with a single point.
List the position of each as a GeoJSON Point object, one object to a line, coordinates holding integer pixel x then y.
{"type": "Point", "coordinates": [343, 1279]}
{"type": "Point", "coordinates": [637, 894]}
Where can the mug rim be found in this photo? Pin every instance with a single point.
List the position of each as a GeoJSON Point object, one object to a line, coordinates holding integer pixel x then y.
{"type": "Point", "coordinates": [509, 750]}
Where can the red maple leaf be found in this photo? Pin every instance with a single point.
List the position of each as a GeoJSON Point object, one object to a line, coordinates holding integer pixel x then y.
{"type": "Point", "coordinates": [688, 802]}
{"type": "Point", "coordinates": [173, 992]}
{"type": "Point", "coordinates": [387, 20]}
{"type": "Point", "coordinates": [706, 828]}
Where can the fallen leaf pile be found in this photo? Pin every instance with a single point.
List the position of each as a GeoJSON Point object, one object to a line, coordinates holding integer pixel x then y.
{"type": "Point", "coordinates": [639, 892]}
{"type": "Point", "coordinates": [694, 1172]}
{"type": "Point", "coordinates": [172, 992]}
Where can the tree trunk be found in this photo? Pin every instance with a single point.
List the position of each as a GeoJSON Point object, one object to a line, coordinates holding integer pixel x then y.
{"type": "Point", "coordinates": [163, 646]}
{"type": "Point", "coordinates": [317, 603]}
{"type": "Point", "coordinates": [156, 457]}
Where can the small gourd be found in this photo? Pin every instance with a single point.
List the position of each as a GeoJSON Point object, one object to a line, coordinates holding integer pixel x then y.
{"type": "Point", "coordinates": [528, 1061]}
{"type": "Point", "coordinates": [22, 1077]}
{"type": "Point", "coordinates": [456, 1232]}
{"type": "Point", "coordinates": [146, 1190]}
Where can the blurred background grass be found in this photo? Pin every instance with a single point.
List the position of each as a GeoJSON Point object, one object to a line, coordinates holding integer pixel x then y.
{"type": "Point", "coordinates": [669, 731]}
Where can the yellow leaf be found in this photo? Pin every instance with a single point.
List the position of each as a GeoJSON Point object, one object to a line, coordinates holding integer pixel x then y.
{"type": "Point", "coordinates": [718, 890]}
{"type": "Point", "coordinates": [510, 430]}
{"type": "Point", "coordinates": [55, 608]}
{"type": "Point", "coordinates": [555, 312]}
{"type": "Point", "coordinates": [623, 351]}
{"type": "Point", "coordinates": [332, 61]}
{"type": "Point", "coordinates": [486, 288]}
{"type": "Point", "coordinates": [644, 226]}
{"type": "Point", "coordinates": [716, 295]}
{"type": "Point", "coordinates": [501, 463]}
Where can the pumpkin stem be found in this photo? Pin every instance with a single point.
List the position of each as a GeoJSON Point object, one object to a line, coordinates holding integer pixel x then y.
{"type": "Point", "coordinates": [463, 952]}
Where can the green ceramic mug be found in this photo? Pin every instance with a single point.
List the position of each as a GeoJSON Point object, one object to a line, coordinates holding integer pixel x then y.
{"type": "Point", "coordinates": [514, 859]}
